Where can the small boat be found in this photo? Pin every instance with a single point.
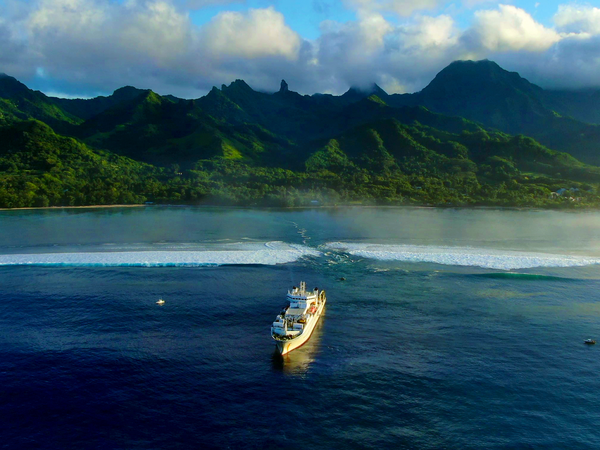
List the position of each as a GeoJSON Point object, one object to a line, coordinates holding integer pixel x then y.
{"type": "Point", "coordinates": [589, 342]}
{"type": "Point", "coordinates": [160, 301]}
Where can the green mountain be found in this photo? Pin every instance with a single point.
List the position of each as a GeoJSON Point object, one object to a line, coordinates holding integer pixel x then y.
{"type": "Point", "coordinates": [431, 165]}
{"type": "Point", "coordinates": [87, 108]}
{"type": "Point", "coordinates": [17, 101]}
{"type": "Point", "coordinates": [582, 105]}
{"type": "Point", "coordinates": [41, 168]}
{"type": "Point", "coordinates": [484, 92]}
{"type": "Point", "coordinates": [160, 131]}
{"type": "Point", "coordinates": [284, 113]}
{"type": "Point", "coordinates": [239, 123]}
{"type": "Point", "coordinates": [452, 143]}
{"type": "Point", "coordinates": [354, 94]}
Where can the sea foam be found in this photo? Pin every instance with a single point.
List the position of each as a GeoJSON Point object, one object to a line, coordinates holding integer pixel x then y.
{"type": "Point", "coordinates": [268, 253]}
{"type": "Point", "coordinates": [461, 256]}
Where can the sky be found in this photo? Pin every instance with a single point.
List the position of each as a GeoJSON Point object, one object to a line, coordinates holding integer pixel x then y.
{"type": "Point", "coordinates": [84, 48]}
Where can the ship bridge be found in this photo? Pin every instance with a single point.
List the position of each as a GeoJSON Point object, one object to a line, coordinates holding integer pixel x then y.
{"type": "Point", "coordinates": [300, 299]}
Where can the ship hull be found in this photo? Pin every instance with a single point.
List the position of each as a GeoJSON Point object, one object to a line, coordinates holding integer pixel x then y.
{"type": "Point", "coordinates": [286, 346]}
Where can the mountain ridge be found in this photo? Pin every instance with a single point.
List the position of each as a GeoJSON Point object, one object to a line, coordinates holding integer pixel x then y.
{"type": "Point", "coordinates": [448, 144]}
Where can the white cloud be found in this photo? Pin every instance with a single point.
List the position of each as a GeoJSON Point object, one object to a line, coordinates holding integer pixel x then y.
{"type": "Point", "coordinates": [400, 58]}
{"type": "Point", "coordinates": [578, 19]}
{"type": "Point", "coordinates": [151, 43]}
{"type": "Point", "coordinates": [401, 7]}
{"type": "Point", "coordinates": [156, 29]}
{"type": "Point", "coordinates": [90, 46]}
{"type": "Point", "coordinates": [371, 31]}
{"type": "Point", "coordinates": [197, 4]}
{"type": "Point", "coordinates": [69, 32]}
{"type": "Point", "coordinates": [571, 63]}
{"type": "Point", "coordinates": [350, 52]}
{"type": "Point", "coordinates": [430, 33]}
{"type": "Point", "coordinates": [257, 33]}
{"type": "Point", "coordinates": [14, 57]}
{"type": "Point", "coordinates": [432, 41]}
{"type": "Point", "coordinates": [475, 3]}
{"type": "Point", "coordinates": [68, 15]}
{"type": "Point", "coordinates": [392, 85]}
{"type": "Point", "coordinates": [511, 29]}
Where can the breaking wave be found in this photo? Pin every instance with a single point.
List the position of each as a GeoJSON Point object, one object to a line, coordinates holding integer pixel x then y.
{"type": "Point", "coordinates": [461, 256]}
{"type": "Point", "coordinates": [269, 253]}
{"type": "Point", "coordinates": [522, 276]}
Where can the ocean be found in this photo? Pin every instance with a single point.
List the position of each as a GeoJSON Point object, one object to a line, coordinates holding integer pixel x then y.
{"type": "Point", "coordinates": [444, 329]}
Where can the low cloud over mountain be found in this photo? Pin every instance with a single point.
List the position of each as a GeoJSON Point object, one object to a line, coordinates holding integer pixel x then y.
{"type": "Point", "coordinates": [91, 46]}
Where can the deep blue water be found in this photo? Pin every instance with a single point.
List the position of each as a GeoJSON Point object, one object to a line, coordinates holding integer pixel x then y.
{"type": "Point", "coordinates": [410, 353]}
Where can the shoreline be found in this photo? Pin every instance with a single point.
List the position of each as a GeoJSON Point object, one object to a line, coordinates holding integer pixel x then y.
{"type": "Point", "coordinates": [524, 208]}
{"type": "Point", "coordinates": [70, 207]}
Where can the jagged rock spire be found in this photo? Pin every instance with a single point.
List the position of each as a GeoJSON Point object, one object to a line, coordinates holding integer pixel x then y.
{"type": "Point", "coordinates": [284, 86]}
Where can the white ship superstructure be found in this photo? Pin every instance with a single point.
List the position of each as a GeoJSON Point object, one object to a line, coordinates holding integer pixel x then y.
{"type": "Point", "coordinates": [295, 323]}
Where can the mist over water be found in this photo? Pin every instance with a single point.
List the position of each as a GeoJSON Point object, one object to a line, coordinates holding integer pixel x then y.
{"type": "Point", "coordinates": [453, 328]}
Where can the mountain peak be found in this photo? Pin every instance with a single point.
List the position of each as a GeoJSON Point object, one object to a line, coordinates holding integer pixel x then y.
{"type": "Point", "coordinates": [284, 86]}
{"type": "Point", "coordinates": [478, 63]}
{"type": "Point", "coordinates": [376, 90]}
{"type": "Point", "coordinates": [355, 94]}
{"type": "Point", "coordinates": [475, 76]}
{"type": "Point", "coordinates": [238, 85]}
{"type": "Point", "coordinates": [11, 87]}
{"type": "Point", "coordinates": [127, 93]}
{"type": "Point", "coordinates": [484, 91]}
{"type": "Point", "coordinates": [472, 68]}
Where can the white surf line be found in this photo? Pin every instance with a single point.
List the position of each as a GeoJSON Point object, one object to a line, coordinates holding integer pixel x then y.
{"type": "Point", "coordinates": [461, 256]}
{"type": "Point", "coordinates": [269, 253]}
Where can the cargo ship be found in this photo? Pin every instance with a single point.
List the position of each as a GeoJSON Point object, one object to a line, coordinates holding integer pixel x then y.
{"type": "Point", "coordinates": [296, 322]}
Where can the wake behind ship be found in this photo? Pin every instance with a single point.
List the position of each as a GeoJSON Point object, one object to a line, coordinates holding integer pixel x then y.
{"type": "Point", "coordinates": [294, 325]}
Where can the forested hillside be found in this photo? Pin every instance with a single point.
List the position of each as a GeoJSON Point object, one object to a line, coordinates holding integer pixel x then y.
{"type": "Point", "coordinates": [484, 92]}
{"type": "Point", "coordinates": [237, 146]}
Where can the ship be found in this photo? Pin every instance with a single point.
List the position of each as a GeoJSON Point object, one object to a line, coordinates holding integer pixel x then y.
{"type": "Point", "coordinates": [296, 322]}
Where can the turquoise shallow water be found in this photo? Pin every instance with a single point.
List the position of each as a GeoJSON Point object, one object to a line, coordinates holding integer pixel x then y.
{"type": "Point", "coordinates": [454, 353]}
